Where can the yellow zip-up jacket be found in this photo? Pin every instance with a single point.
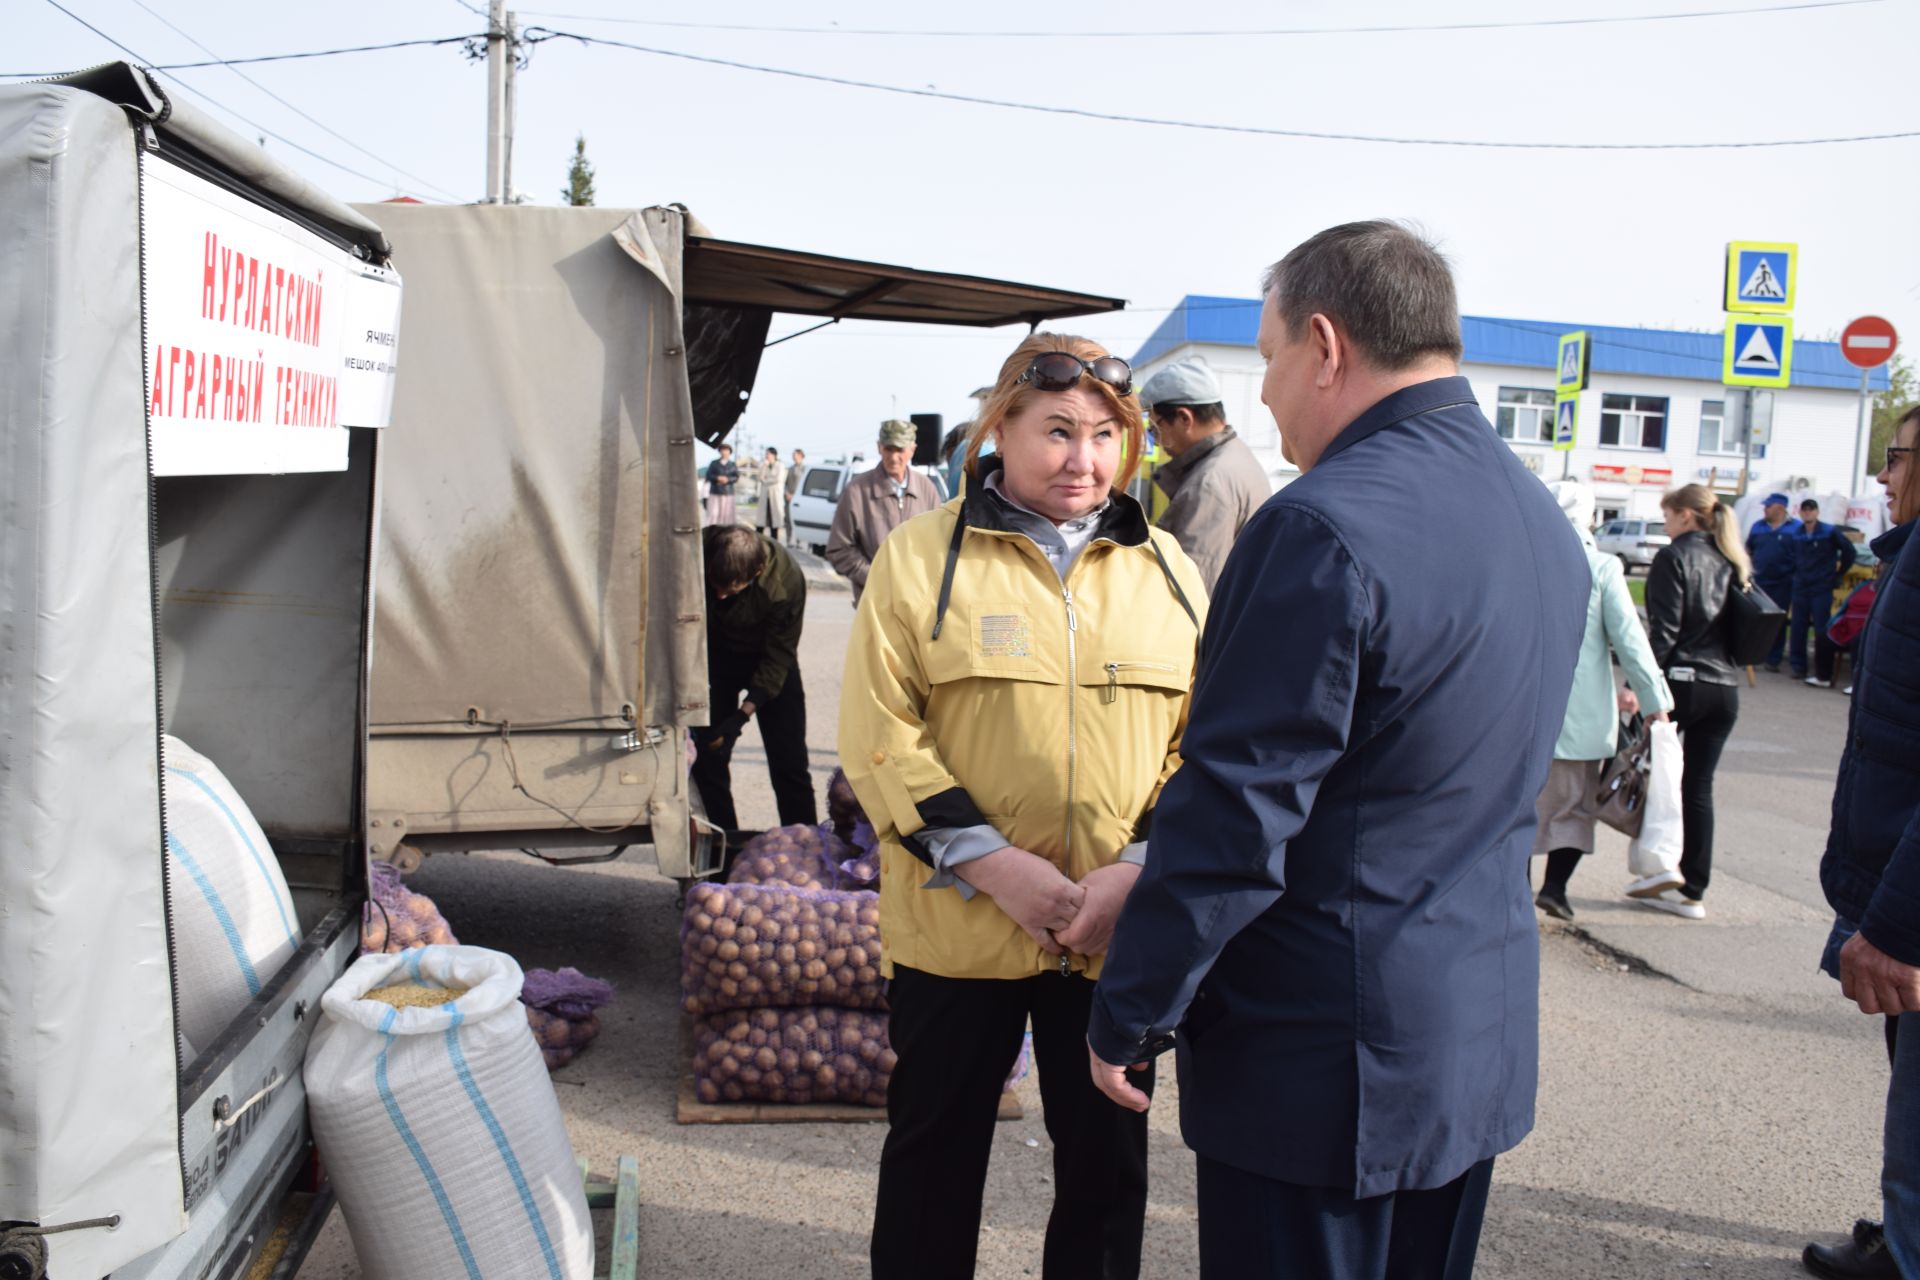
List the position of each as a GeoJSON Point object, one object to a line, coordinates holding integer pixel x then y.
{"type": "Point", "coordinates": [1052, 711]}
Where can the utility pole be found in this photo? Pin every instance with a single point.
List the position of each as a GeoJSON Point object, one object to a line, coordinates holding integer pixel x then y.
{"type": "Point", "coordinates": [500, 58]}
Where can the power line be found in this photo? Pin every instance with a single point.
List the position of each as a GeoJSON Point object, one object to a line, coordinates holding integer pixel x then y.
{"type": "Point", "coordinates": [265, 57]}
{"type": "Point", "coordinates": [211, 101]}
{"type": "Point", "coordinates": [1096, 33]}
{"type": "Point", "coordinates": [535, 35]}
{"type": "Point", "coordinates": [296, 110]}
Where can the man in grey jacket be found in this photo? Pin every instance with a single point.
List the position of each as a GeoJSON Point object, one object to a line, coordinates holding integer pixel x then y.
{"type": "Point", "coordinates": [877, 502]}
{"type": "Point", "coordinates": [1214, 482]}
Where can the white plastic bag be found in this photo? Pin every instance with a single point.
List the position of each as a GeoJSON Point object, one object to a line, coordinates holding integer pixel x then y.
{"type": "Point", "coordinates": [1657, 849]}
{"type": "Point", "coordinates": [233, 920]}
{"type": "Point", "coordinates": [439, 1128]}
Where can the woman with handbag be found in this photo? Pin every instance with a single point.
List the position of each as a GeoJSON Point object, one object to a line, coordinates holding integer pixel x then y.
{"type": "Point", "coordinates": [1688, 588]}
{"type": "Point", "coordinates": [1568, 804]}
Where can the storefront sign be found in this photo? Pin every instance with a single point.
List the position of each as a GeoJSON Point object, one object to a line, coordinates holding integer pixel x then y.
{"type": "Point", "coordinates": [1660, 476]}
{"type": "Point", "coordinates": [264, 342]}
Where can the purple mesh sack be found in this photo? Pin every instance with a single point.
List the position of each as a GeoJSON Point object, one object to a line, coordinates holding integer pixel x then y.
{"type": "Point", "coordinates": [747, 946]}
{"type": "Point", "coordinates": [569, 993]}
{"type": "Point", "coordinates": [863, 869]}
{"type": "Point", "coordinates": [843, 806]}
{"type": "Point", "coordinates": [560, 1039]}
{"type": "Point", "coordinates": [792, 1055]}
{"type": "Point", "coordinates": [394, 918]}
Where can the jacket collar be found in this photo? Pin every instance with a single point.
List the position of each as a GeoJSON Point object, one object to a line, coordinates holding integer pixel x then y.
{"type": "Point", "coordinates": [1887, 545]}
{"type": "Point", "coordinates": [1123, 521]}
{"type": "Point", "coordinates": [1407, 402]}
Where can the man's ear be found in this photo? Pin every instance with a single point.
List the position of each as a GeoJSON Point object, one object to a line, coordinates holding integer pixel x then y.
{"type": "Point", "coordinates": [1330, 351]}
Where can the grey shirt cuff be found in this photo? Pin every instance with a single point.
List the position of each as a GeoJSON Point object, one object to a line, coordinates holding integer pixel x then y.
{"type": "Point", "coordinates": [1136, 853]}
{"type": "Point", "coordinates": [951, 846]}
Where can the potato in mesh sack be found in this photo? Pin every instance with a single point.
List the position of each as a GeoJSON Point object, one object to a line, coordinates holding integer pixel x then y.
{"type": "Point", "coordinates": [397, 919]}
{"type": "Point", "coordinates": [792, 1055]}
{"type": "Point", "coordinates": [745, 946]}
{"type": "Point", "coordinates": [561, 1011]}
{"type": "Point", "coordinates": [802, 856]}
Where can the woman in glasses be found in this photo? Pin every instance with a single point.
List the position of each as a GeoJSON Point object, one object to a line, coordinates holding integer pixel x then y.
{"type": "Point", "coordinates": [1016, 686]}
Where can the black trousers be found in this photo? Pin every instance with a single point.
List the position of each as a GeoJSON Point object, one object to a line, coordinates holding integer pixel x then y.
{"type": "Point", "coordinates": [957, 1039]}
{"type": "Point", "coordinates": [1253, 1227]}
{"type": "Point", "coordinates": [1704, 715]}
{"type": "Point", "coordinates": [783, 730]}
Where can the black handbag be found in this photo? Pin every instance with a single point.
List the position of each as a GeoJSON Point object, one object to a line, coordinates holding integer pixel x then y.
{"type": "Point", "coordinates": [1753, 623]}
{"type": "Point", "coordinates": [1621, 800]}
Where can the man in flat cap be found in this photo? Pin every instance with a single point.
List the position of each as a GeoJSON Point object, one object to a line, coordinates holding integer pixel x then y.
{"type": "Point", "coordinates": [877, 502]}
{"type": "Point", "coordinates": [1214, 483]}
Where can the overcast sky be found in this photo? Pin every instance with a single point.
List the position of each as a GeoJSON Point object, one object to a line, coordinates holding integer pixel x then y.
{"type": "Point", "coordinates": [1145, 212]}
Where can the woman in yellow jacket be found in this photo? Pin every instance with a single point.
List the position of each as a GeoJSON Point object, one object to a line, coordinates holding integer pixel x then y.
{"type": "Point", "coordinates": [1016, 687]}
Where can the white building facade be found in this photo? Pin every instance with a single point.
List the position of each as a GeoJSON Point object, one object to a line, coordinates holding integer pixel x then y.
{"type": "Point", "coordinates": [1652, 418]}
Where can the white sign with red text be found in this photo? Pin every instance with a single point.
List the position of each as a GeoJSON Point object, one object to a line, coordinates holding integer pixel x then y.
{"type": "Point", "coordinates": [251, 365]}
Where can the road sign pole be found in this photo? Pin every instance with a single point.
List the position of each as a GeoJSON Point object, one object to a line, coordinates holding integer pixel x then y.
{"type": "Point", "coordinates": [1860, 434]}
{"type": "Point", "coordinates": [1746, 437]}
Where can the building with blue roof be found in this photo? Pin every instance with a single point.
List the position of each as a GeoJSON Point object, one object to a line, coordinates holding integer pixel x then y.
{"type": "Point", "coordinates": [1653, 416]}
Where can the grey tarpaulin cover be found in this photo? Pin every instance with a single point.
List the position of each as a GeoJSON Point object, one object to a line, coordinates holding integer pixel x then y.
{"type": "Point", "coordinates": [541, 414]}
{"type": "Point", "coordinates": [88, 1118]}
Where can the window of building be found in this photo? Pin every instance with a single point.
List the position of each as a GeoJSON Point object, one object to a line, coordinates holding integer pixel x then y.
{"type": "Point", "coordinates": [1525, 415]}
{"type": "Point", "coordinates": [1633, 422]}
{"type": "Point", "coordinates": [1717, 435]}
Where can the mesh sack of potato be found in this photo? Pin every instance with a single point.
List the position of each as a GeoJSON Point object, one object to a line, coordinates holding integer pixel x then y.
{"type": "Point", "coordinates": [561, 1011]}
{"type": "Point", "coordinates": [843, 807]}
{"type": "Point", "coordinates": [397, 919]}
{"type": "Point", "coordinates": [747, 946]}
{"type": "Point", "coordinates": [862, 870]}
{"type": "Point", "coordinates": [792, 1055]}
{"type": "Point", "coordinates": [800, 856]}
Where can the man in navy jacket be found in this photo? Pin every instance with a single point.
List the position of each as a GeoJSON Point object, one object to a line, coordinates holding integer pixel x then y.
{"type": "Point", "coordinates": [1871, 869]}
{"type": "Point", "coordinates": [1770, 548]}
{"type": "Point", "coordinates": [1334, 909]}
{"type": "Point", "coordinates": [1821, 557]}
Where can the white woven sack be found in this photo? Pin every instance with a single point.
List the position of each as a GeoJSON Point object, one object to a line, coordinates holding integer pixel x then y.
{"type": "Point", "coordinates": [233, 920]}
{"type": "Point", "coordinates": [439, 1127]}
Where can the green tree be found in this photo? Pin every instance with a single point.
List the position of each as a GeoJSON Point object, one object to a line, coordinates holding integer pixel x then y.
{"type": "Point", "coordinates": [1890, 406]}
{"type": "Point", "coordinates": [579, 175]}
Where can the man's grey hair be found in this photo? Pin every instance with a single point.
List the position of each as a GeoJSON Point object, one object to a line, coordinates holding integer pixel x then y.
{"type": "Point", "coordinates": [1382, 283]}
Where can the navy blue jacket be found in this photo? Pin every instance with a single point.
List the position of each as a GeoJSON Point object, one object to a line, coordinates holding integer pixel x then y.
{"type": "Point", "coordinates": [1772, 553]}
{"type": "Point", "coordinates": [1334, 908]}
{"type": "Point", "coordinates": [1871, 870]}
{"type": "Point", "coordinates": [1820, 558]}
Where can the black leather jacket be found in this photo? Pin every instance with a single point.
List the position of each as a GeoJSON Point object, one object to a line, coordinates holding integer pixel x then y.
{"type": "Point", "coordinates": [1686, 592]}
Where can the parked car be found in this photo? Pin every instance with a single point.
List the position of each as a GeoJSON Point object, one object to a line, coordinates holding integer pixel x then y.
{"type": "Point", "coordinates": [1634, 540]}
{"type": "Point", "coordinates": [814, 502]}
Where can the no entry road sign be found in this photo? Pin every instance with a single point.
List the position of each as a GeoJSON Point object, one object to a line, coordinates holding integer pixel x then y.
{"type": "Point", "coordinates": [1868, 342]}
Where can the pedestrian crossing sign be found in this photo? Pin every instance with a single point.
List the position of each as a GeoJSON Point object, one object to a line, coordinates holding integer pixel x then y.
{"type": "Point", "coordinates": [1574, 361]}
{"type": "Point", "coordinates": [1758, 352]}
{"type": "Point", "coordinates": [1566, 420]}
{"type": "Point", "coordinates": [1761, 276]}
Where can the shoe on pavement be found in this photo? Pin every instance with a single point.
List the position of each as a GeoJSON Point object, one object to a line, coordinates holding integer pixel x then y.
{"type": "Point", "coordinates": [1818, 683]}
{"type": "Point", "coordinates": [1554, 904]}
{"type": "Point", "coordinates": [1848, 691]}
{"type": "Point", "coordinates": [1864, 1257]}
{"type": "Point", "coordinates": [1672, 900]}
{"type": "Point", "coordinates": [1774, 667]}
{"type": "Point", "coordinates": [1652, 886]}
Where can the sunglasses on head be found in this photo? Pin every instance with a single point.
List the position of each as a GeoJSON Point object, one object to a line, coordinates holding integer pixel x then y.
{"type": "Point", "coordinates": [1060, 370]}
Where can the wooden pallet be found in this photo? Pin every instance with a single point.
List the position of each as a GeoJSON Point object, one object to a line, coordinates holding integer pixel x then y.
{"type": "Point", "coordinates": [622, 1195]}
{"type": "Point", "coordinates": [690, 1110]}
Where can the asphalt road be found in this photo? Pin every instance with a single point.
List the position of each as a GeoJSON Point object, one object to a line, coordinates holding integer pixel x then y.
{"type": "Point", "coordinates": [1708, 1103]}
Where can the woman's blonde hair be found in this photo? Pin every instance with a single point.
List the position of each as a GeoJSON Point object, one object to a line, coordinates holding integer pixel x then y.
{"type": "Point", "coordinates": [1716, 518]}
{"type": "Point", "coordinates": [1010, 396]}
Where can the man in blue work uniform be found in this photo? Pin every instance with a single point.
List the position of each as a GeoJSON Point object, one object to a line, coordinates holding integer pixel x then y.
{"type": "Point", "coordinates": [1821, 557]}
{"type": "Point", "coordinates": [1334, 910]}
{"type": "Point", "coordinates": [1770, 548]}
